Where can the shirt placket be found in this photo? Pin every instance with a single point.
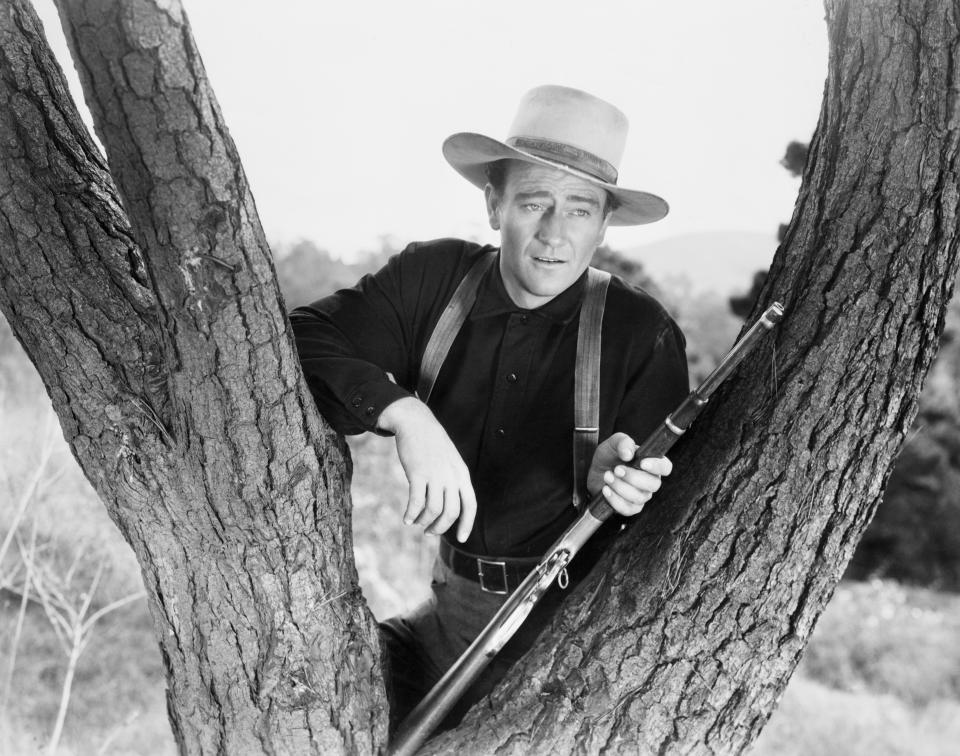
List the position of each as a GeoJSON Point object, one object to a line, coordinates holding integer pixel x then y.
{"type": "Point", "coordinates": [522, 342]}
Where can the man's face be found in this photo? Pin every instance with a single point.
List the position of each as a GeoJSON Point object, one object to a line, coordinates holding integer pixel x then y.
{"type": "Point", "coordinates": [550, 224]}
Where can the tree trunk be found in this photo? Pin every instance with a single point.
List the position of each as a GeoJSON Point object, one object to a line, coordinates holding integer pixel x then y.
{"type": "Point", "coordinates": [159, 332]}
{"type": "Point", "coordinates": [697, 622]}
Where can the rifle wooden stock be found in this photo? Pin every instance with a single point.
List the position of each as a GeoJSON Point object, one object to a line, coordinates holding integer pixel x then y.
{"type": "Point", "coordinates": [423, 720]}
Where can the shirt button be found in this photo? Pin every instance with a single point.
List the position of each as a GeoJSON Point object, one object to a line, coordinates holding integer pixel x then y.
{"type": "Point", "coordinates": [523, 318]}
{"type": "Point", "coordinates": [501, 433]}
{"type": "Point", "coordinates": [512, 378]}
{"type": "Point", "coordinates": [357, 401]}
{"type": "Point", "coordinates": [371, 410]}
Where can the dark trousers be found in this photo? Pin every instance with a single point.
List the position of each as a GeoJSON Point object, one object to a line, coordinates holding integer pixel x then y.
{"type": "Point", "coordinates": [423, 644]}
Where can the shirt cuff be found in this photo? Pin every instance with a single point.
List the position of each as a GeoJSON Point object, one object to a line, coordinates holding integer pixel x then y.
{"type": "Point", "coordinates": [369, 399]}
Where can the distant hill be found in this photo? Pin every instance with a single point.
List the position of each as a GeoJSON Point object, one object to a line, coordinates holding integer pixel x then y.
{"type": "Point", "coordinates": [720, 261]}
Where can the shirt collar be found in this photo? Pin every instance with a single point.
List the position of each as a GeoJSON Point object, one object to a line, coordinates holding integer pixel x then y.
{"type": "Point", "coordinates": [493, 299]}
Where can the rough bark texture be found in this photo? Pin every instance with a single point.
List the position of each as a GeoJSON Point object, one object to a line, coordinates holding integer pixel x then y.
{"type": "Point", "coordinates": [158, 329]}
{"type": "Point", "coordinates": [697, 623]}
{"type": "Point", "coordinates": [161, 337]}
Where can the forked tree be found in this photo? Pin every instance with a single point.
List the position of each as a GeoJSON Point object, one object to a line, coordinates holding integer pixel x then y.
{"type": "Point", "coordinates": [143, 290]}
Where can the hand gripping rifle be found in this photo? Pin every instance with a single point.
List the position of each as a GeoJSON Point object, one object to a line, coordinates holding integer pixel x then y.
{"type": "Point", "coordinates": [422, 721]}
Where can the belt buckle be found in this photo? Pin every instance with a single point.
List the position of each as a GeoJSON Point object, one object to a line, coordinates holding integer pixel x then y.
{"type": "Point", "coordinates": [481, 563]}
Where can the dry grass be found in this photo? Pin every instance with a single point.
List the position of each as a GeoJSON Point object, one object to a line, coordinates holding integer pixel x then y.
{"type": "Point", "coordinates": [887, 639]}
{"type": "Point", "coordinates": [881, 675]}
{"type": "Point", "coordinates": [816, 720]}
{"type": "Point", "coordinates": [118, 690]}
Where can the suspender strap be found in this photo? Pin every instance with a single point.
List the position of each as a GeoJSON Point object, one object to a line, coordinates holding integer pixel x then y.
{"type": "Point", "coordinates": [586, 392]}
{"type": "Point", "coordinates": [449, 325]}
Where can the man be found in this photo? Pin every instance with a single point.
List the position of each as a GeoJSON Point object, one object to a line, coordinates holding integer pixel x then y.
{"type": "Point", "coordinates": [486, 442]}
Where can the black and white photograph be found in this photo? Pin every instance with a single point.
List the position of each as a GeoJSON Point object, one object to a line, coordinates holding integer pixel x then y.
{"type": "Point", "coordinates": [479, 378]}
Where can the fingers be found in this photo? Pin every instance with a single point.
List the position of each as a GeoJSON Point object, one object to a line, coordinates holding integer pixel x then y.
{"type": "Point", "coordinates": [416, 498]}
{"type": "Point", "coordinates": [657, 466]}
{"type": "Point", "coordinates": [433, 507]}
{"type": "Point", "coordinates": [451, 511]}
{"type": "Point", "coordinates": [627, 489]}
{"type": "Point", "coordinates": [628, 497]}
{"type": "Point", "coordinates": [439, 507]}
{"type": "Point", "coordinates": [468, 512]}
{"type": "Point", "coordinates": [626, 448]}
{"type": "Point", "coordinates": [624, 506]}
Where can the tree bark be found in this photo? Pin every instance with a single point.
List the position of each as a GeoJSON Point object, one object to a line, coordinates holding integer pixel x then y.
{"type": "Point", "coordinates": [683, 640]}
{"type": "Point", "coordinates": [159, 332]}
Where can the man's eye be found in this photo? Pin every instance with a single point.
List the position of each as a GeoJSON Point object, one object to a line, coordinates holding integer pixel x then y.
{"type": "Point", "coordinates": [581, 212]}
{"type": "Point", "coordinates": [533, 207]}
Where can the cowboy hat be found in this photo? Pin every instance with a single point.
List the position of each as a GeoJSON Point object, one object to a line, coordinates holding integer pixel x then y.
{"type": "Point", "coordinates": [567, 129]}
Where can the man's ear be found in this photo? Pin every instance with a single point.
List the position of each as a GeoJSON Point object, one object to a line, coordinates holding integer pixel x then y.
{"type": "Point", "coordinates": [493, 206]}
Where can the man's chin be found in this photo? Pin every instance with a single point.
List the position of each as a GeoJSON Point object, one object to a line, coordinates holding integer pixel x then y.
{"type": "Point", "coordinates": [548, 285]}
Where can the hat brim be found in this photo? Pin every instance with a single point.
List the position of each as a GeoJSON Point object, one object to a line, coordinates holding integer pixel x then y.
{"type": "Point", "coordinates": [469, 154]}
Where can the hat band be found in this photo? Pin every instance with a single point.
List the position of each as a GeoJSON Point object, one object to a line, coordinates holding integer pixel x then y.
{"type": "Point", "coordinates": [568, 155]}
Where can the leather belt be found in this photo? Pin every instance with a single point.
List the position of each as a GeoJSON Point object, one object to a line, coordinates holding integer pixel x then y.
{"type": "Point", "coordinates": [503, 575]}
{"type": "Point", "coordinates": [494, 574]}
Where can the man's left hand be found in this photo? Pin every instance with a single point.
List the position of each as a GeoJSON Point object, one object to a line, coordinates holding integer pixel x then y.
{"type": "Point", "coordinates": [626, 489]}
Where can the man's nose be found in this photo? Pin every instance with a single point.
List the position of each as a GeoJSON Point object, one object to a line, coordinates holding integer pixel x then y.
{"type": "Point", "coordinates": [551, 229]}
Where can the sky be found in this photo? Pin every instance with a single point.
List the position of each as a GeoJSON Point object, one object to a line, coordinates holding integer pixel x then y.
{"type": "Point", "coordinates": [339, 110]}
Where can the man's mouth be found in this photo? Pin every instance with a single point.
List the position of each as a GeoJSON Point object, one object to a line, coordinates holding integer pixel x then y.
{"type": "Point", "coordinates": [548, 259]}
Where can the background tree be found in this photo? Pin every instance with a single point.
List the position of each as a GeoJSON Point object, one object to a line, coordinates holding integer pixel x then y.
{"type": "Point", "coordinates": [915, 535]}
{"type": "Point", "coordinates": [794, 159]}
{"type": "Point", "coordinates": [305, 272]}
{"type": "Point", "coordinates": [159, 332]}
{"type": "Point", "coordinates": [629, 270]}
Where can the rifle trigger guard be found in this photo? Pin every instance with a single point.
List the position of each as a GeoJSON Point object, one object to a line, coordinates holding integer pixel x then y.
{"type": "Point", "coordinates": [563, 579]}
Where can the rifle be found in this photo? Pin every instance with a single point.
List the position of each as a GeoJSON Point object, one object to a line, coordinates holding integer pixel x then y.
{"type": "Point", "coordinates": [422, 721]}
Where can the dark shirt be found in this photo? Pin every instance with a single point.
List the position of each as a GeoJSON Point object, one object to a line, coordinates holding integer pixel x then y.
{"type": "Point", "coordinates": [505, 391]}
